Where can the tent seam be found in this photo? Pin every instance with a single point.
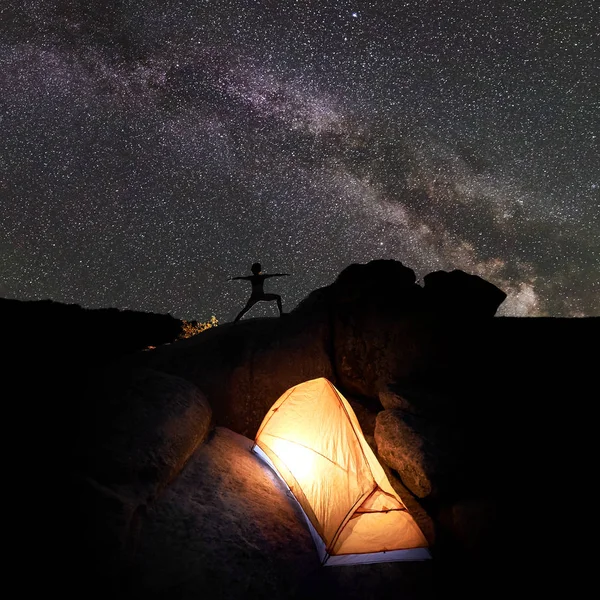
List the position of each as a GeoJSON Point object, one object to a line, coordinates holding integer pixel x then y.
{"type": "Point", "coordinates": [337, 395]}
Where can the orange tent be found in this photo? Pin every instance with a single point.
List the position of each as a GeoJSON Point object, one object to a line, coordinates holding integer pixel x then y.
{"type": "Point", "coordinates": [312, 439]}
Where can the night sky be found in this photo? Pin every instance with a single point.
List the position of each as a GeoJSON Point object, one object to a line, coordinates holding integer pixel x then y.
{"type": "Point", "coordinates": [151, 149]}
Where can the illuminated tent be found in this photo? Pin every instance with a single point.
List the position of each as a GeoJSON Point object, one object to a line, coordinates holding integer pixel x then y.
{"type": "Point", "coordinates": [312, 439]}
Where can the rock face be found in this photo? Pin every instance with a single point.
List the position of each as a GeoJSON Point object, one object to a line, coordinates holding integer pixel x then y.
{"type": "Point", "coordinates": [416, 398]}
{"type": "Point", "coordinates": [373, 326]}
{"type": "Point", "coordinates": [372, 349]}
{"type": "Point", "coordinates": [385, 327]}
{"type": "Point", "coordinates": [378, 333]}
{"type": "Point", "coordinates": [244, 367]}
{"type": "Point", "coordinates": [426, 454]}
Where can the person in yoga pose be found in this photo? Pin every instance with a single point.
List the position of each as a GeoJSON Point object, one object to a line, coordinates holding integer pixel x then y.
{"type": "Point", "coordinates": [258, 294]}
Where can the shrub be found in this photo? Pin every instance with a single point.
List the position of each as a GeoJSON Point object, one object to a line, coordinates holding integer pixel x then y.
{"type": "Point", "coordinates": [192, 328]}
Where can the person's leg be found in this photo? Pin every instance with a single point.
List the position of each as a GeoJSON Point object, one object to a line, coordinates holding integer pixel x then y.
{"type": "Point", "coordinates": [251, 302]}
{"type": "Point", "coordinates": [277, 297]}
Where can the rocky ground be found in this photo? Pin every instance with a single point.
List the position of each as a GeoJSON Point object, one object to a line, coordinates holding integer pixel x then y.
{"type": "Point", "coordinates": [228, 528]}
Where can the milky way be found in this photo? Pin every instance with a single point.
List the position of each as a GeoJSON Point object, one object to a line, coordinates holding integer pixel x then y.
{"type": "Point", "coordinates": [152, 149]}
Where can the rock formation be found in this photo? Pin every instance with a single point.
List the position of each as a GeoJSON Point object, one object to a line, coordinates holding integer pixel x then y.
{"type": "Point", "coordinates": [474, 415]}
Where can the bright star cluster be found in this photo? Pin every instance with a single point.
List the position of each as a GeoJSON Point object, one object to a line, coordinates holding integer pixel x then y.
{"type": "Point", "coordinates": [151, 149]}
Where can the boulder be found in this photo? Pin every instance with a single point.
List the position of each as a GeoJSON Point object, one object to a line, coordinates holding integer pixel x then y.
{"type": "Point", "coordinates": [378, 281]}
{"type": "Point", "coordinates": [460, 294]}
{"type": "Point", "coordinates": [387, 280]}
{"type": "Point", "coordinates": [373, 347]}
{"type": "Point", "coordinates": [427, 455]}
{"type": "Point", "coordinates": [416, 397]}
{"type": "Point", "coordinates": [378, 326]}
{"type": "Point", "coordinates": [137, 431]}
{"type": "Point", "coordinates": [244, 367]}
{"type": "Point", "coordinates": [414, 506]}
{"type": "Point", "coordinates": [142, 427]}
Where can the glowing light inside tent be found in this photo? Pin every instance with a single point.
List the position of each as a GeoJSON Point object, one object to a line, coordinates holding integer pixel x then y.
{"type": "Point", "coordinates": [297, 458]}
{"type": "Point", "coordinates": [312, 439]}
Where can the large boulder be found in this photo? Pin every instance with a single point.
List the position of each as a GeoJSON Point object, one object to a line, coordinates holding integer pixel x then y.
{"type": "Point", "coordinates": [427, 455]}
{"type": "Point", "coordinates": [138, 429]}
{"type": "Point", "coordinates": [383, 280]}
{"type": "Point", "coordinates": [385, 328]}
{"type": "Point", "coordinates": [416, 397]}
{"type": "Point", "coordinates": [379, 332]}
{"type": "Point", "coordinates": [460, 294]}
{"type": "Point", "coordinates": [141, 428]}
{"type": "Point", "coordinates": [376, 282]}
{"type": "Point", "coordinates": [244, 367]}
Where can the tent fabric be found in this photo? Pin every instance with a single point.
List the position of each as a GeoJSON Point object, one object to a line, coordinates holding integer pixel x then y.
{"type": "Point", "coordinates": [313, 440]}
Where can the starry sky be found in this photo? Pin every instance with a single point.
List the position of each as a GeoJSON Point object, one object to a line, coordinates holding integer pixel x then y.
{"type": "Point", "coordinates": [151, 149]}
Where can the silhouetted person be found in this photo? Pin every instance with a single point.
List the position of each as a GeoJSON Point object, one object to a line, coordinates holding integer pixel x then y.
{"type": "Point", "coordinates": [257, 279]}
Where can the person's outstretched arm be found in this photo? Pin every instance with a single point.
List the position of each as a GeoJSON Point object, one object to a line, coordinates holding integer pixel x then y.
{"type": "Point", "coordinates": [278, 275]}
